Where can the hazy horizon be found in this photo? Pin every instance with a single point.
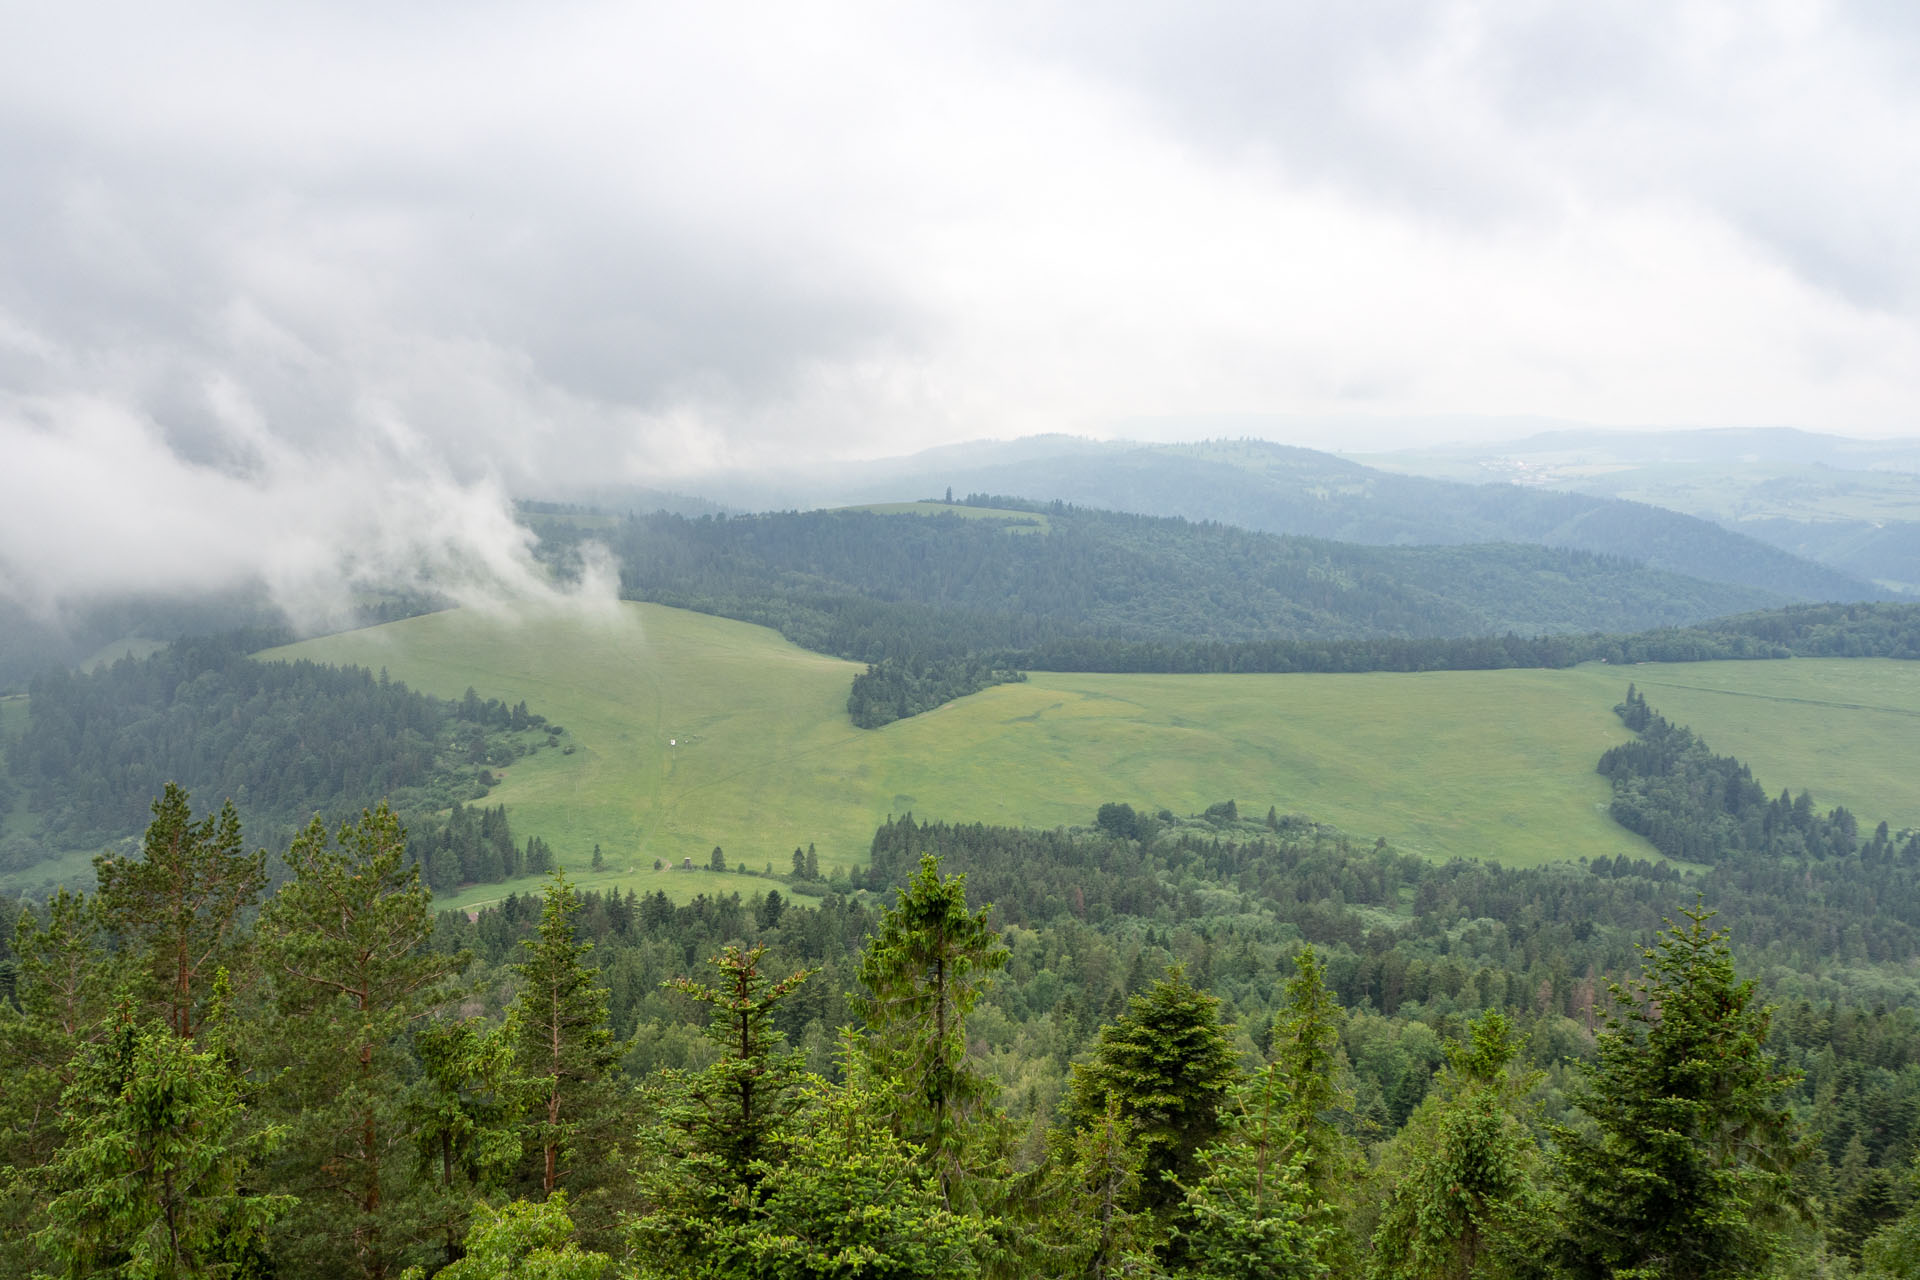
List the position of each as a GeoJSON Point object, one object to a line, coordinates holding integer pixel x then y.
{"type": "Point", "coordinates": [302, 297]}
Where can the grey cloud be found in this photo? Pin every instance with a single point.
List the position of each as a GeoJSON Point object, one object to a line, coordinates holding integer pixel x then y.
{"type": "Point", "coordinates": [431, 254]}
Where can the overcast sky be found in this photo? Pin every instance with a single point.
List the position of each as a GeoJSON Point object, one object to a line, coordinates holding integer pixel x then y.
{"type": "Point", "coordinates": [341, 275]}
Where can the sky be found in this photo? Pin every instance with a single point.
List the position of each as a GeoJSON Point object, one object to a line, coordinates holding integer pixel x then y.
{"type": "Point", "coordinates": [301, 293]}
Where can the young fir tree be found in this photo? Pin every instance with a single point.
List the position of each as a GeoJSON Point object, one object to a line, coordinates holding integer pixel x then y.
{"type": "Point", "coordinates": [843, 1197]}
{"type": "Point", "coordinates": [1306, 1049]}
{"type": "Point", "coordinates": [1253, 1214]}
{"type": "Point", "coordinates": [923, 970]}
{"type": "Point", "coordinates": [347, 938]}
{"type": "Point", "coordinates": [1168, 1063]}
{"type": "Point", "coordinates": [714, 1135]}
{"type": "Point", "coordinates": [177, 909]}
{"type": "Point", "coordinates": [564, 1039]}
{"type": "Point", "coordinates": [152, 1177]}
{"type": "Point", "coordinates": [1463, 1205]}
{"type": "Point", "coordinates": [1685, 1170]}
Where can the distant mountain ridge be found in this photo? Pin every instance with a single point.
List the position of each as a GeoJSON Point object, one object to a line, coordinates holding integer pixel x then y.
{"type": "Point", "coordinates": [1273, 488]}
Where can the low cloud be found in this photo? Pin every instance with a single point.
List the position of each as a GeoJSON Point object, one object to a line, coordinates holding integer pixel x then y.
{"type": "Point", "coordinates": [301, 296]}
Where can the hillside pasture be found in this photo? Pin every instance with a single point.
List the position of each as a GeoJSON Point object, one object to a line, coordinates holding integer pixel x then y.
{"type": "Point", "coordinates": [692, 731]}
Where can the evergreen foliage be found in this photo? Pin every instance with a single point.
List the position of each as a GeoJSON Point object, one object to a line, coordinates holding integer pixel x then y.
{"type": "Point", "coordinates": [153, 1177]}
{"type": "Point", "coordinates": [1253, 1214]}
{"type": "Point", "coordinates": [347, 940]}
{"type": "Point", "coordinates": [1168, 1065]}
{"type": "Point", "coordinates": [523, 1240]}
{"type": "Point", "coordinates": [560, 1017]}
{"type": "Point", "coordinates": [1328, 1164]}
{"type": "Point", "coordinates": [1685, 1169]}
{"type": "Point", "coordinates": [466, 1113]}
{"type": "Point", "coordinates": [1464, 1204]}
{"type": "Point", "coordinates": [923, 971]}
{"type": "Point", "coordinates": [178, 907]}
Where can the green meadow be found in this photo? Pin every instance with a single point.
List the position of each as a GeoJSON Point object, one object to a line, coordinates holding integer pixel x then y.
{"type": "Point", "coordinates": [692, 731]}
{"type": "Point", "coordinates": [1020, 521]}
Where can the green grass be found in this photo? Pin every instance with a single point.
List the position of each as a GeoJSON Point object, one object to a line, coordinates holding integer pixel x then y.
{"type": "Point", "coordinates": [1846, 729]}
{"type": "Point", "coordinates": [692, 731]}
{"type": "Point", "coordinates": [1480, 764]}
{"type": "Point", "coordinates": [1021, 521]}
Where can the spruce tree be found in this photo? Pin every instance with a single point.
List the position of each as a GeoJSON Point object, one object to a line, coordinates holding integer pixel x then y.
{"type": "Point", "coordinates": [1168, 1063]}
{"type": "Point", "coordinates": [1252, 1214]}
{"type": "Point", "coordinates": [565, 1040]}
{"type": "Point", "coordinates": [923, 971]}
{"type": "Point", "coordinates": [1306, 1050]}
{"type": "Point", "coordinates": [736, 1113]}
{"type": "Point", "coordinates": [178, 907]}
{"type": "Point", "coordinates": [465, 1112]}
{"type": "Point", "coordinates": [153, 1176]}
{"type": "Point", "coordinates": [1463, 1204]}
{"type": "Point", "coordinates": [347, 937]}
{"type": "Point", "coordinates": [1685, 1170]}
{"type": "Point", "coordinates": [838, 1195]}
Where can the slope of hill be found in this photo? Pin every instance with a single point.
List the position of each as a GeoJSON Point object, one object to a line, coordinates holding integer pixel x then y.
{"type": "Point", "coordinates": [864, 585]}
{"type": "Point", "coordinates": [696, 731]}
{"type": "Point", "coordinates": [1278, 489]}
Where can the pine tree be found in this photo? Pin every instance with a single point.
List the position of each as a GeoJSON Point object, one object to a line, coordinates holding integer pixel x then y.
{"type": "Point", "coordinates": [347, 938]}
{"type": "Point", "coordinates": [178, 907]}
{"type": "Point", "coordinates": [1686, 1169]}
{"type": "Point", "coordinates": [923, 971]}
{"type": "Point", "coordinates": [1168, 1063]}
{"type": "Point", "coordinates": [564, 1039]}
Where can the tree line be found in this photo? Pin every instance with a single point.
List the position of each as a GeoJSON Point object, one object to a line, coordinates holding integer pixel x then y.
{"type": "Point", "coordinates": [936, 605]}
{"type": "Point", "coordinates": [1210, 1046]}
{"type": "Point", "coordinates": [282, 739]}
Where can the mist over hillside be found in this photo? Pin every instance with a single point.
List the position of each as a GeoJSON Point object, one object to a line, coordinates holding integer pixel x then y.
{"type": "Point", "coordinates": [1853, 505]}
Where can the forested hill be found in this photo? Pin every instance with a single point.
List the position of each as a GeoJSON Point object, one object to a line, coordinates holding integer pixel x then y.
{"type": "Point", "coordinates": [281, 739]}
{"type": "Point", "coordinates": [1280, 489]}
{"type": "Point", "coordinates": [868, 586]}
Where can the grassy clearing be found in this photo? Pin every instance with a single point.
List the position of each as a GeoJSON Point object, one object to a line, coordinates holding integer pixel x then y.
{"type": "Point", "coordinates": [693, 731]}
{"type": "Point", "coordinates": [1846, 729]}
{"type": "Point", "coordinates": [1022, 521]}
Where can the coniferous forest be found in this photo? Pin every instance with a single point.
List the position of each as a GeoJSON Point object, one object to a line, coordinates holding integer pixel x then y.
{"type": "Point", "coordinates": [1210, 1045]}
